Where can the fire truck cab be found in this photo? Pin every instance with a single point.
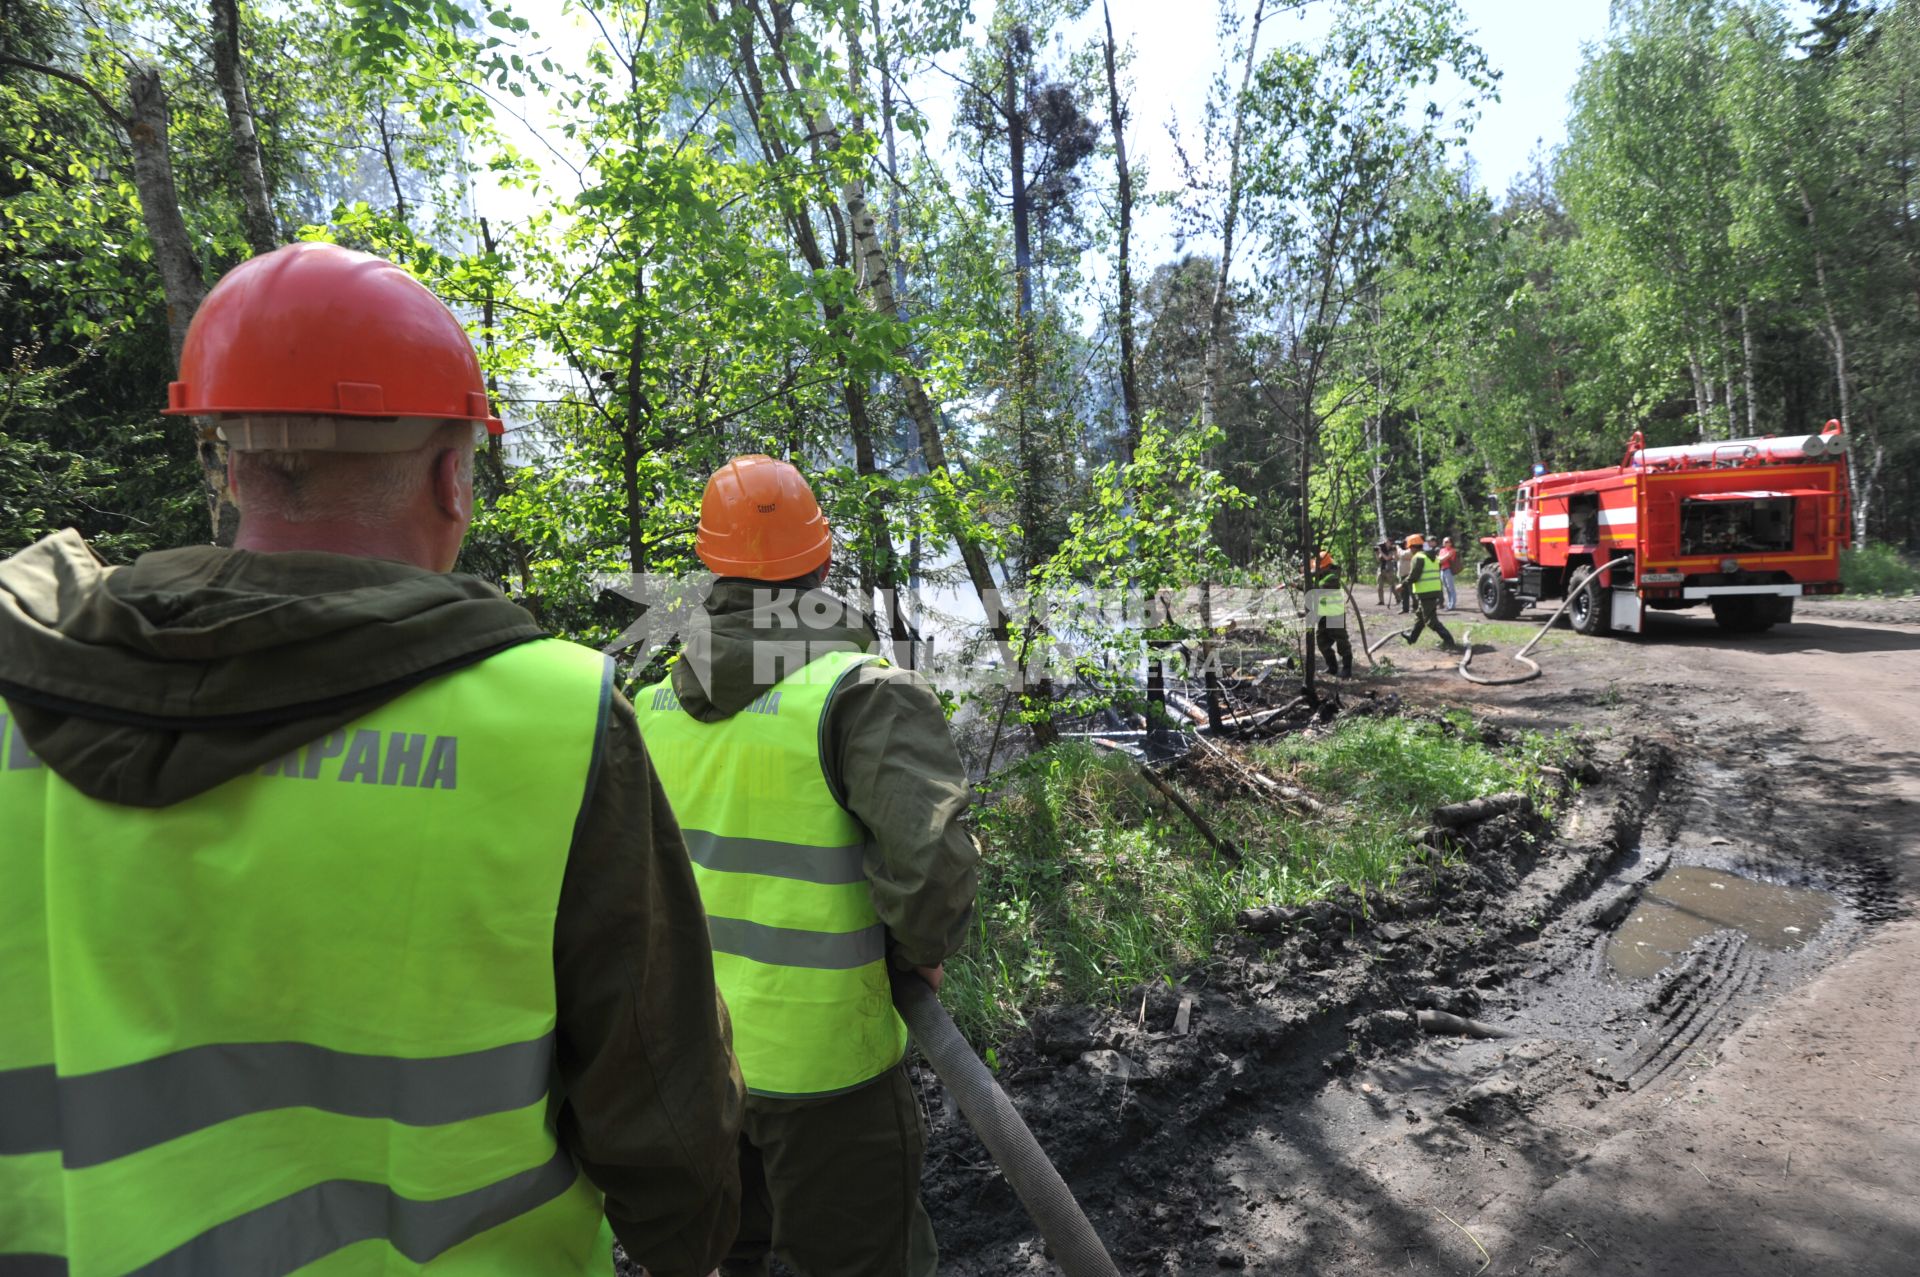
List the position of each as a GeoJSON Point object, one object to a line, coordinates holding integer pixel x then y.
{"type": "Point", "coordinates": [1745, 526]}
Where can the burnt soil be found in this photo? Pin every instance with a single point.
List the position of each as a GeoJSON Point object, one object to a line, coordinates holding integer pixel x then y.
{"type": "Point", "coordinates": [1304, 1122]}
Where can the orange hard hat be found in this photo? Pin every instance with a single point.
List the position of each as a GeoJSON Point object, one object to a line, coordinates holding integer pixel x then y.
{"type": "Point", "coordinates": [1415, 540]}
{"type": "Point", "coordinates": [759, 519]}
{"type": "Point", "coordinates": [316, 330]}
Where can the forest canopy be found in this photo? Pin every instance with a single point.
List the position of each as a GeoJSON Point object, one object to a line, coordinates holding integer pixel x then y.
{"type": "Point", "coordinates": [726, 226]}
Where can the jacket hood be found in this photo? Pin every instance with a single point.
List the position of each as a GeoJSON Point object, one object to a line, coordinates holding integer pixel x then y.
{"type": "Point", "coordinates": [147, 684]}
{"type": "Point", "coordinates": [751, 634]}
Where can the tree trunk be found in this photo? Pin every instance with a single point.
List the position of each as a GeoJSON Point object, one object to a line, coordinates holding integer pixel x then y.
{"type": "Point", "coordinates": [1837, 346]}
{"type": "Point", "coordinates": [872, 269]}
{"type": "Point", "coordinates": [262, 236]}
{"type": "Point", "coordinates": [173, 254]}
{"type": "Point", "coordinates": [1702, 405]}
{"type": "Point", "coordinates": [1129, 387]}
{"type": "Point", "coordinates": [393, 170]}
{"type": "Point", "coordinates": [1229, 221]}
{"type": "Point", "coordinates": [492, 457]}
{"type": "Point", "coordinates": [1746, 352]}
{"type": "Point", "coordinates": [1213, 356]}
{"type": "Point", "coordinates": [1376, 452]}
{"type": "Point", "coordinates": [632, 423]}
{"type": "Point", "coordinates": [1420, 479]}
{"type": "Point", "coordinates": [916, 463]}
{"type": "Point", "coordinates": [173, 257]}
{"type": "Point", "coordinates": [1726, 381]}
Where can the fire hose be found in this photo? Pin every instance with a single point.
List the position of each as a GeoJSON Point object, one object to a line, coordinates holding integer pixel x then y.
{"type": "Point", "coordinates": [1075, 1246]}
{"type": "Point", "coordinates": [1533, 669]}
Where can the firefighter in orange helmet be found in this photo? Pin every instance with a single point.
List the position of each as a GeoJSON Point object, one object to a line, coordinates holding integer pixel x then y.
{"type": "Point", "coordinates": [1423, 587]}
{"type": "Point", "coordinates": [822, 800]}
{"type": "Point", "coordinates": [328, 893]}
{"type": "Point", "coordinates": [1330, 617]}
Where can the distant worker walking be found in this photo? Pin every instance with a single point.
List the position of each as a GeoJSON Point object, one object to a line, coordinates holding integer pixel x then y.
{"type": "Point", "coordinates": [1403, 567]}
{"type": "Point", "coordinates": [1385, 571]}
{"type": "Point", "coordinates": [1448, 560]}
{"type": "Point", "coordinates": [342, 921]}
{"type": "Point", "coordinates": [1330, 612]}
{"type": "Point", "coordinates": [822, 799]}
{"type": "Point", "coordinates": [1423, 586]}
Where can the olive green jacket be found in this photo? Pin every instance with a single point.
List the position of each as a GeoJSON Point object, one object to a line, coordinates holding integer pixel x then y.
{"type": "Point", "coordinates": [148, 684]}
{"type": "Point", "coordinates": [887, 753]}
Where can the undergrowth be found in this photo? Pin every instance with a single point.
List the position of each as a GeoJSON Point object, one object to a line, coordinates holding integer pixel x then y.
{"type": "Point", "coordinates": [1878, 569]}
{"type": "Point", "coordinates": [1091, 884]}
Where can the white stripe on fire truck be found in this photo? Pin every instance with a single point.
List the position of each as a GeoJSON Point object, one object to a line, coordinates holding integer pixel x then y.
{"type": "Point", "coordinates": [1608, 519]}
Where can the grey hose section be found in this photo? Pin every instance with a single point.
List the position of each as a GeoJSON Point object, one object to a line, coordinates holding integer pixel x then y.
{"type": "Point", "coordinates": [1466, 658]}
{"type": "Point", "coordinates": [1533, 670]}
{"type": "Point", "coordinates": [1390, 634]}
{"type": "Point", "coordinates": [1076, 1247]}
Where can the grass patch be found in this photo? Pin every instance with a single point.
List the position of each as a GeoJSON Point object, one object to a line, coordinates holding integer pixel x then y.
{"type": "Point", "coordinates": [1878, 569]}
{"type": "Point", "coordinates": [1509, 636]}
{"type": "Point", "coordinates": [1090, 886]}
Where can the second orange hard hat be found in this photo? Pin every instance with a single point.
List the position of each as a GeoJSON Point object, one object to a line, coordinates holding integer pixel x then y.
{"type": "Point", "coordinates": [759, 519]}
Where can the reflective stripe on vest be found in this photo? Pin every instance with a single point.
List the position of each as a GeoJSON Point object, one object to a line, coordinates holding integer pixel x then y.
{"type": "Point", "coordinates": [1428, 582]}
{"type": "Point", "coordinates": [798, 950]}
{"type": "Point", "coordinates": [304, 1020]}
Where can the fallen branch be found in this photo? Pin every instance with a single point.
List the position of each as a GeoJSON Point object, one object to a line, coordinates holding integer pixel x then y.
{"type": "Point", "coordinates": [1285, 793]}
{"type": "Point", "coordinates": [1473, 811]}
{"type": "Point", "coordinates": [1447, 1022]}
{"type": "Point", "coordinates": [1222, 845]}
{"type": "Point", "coordinates": [1268, 917]}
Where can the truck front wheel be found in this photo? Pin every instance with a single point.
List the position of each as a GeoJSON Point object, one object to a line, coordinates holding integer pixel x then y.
{"type": "Point", "coordinates": [1497, 601]}
{"type": "Point", "coordinates": [1588, 612]}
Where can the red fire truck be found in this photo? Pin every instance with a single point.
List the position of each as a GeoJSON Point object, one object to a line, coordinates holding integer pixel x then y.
{"type": "Point", "coordinates": [1745, 526]}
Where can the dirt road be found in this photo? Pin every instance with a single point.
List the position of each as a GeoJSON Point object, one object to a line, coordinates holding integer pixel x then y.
{"type": "Point", "coordinates": [1753, 1109]}
{"type": "Point", "coordinates": [1795, 1147]}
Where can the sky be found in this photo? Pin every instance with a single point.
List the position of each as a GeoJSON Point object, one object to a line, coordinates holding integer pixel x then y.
{"type": "Point", "coordinates": [1535, 44]}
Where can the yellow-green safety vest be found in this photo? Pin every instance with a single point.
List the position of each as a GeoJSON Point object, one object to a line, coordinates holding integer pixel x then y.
{"type": "Point", "coordinates": [304, 1020]}
{"type": "Point", "coordinates": [1428, 582]}
{"type": "Point", "coordinates": [798, 951]}
{"type": "Point", "coordinates": [1330, 602]}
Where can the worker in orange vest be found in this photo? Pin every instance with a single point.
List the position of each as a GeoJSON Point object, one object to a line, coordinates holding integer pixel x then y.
{"type": "Point", "coordinates": [342, 920]}
{"type": "Point", "coordinates": [822, 800]}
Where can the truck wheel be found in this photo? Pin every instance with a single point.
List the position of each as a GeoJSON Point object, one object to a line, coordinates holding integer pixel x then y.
{"type": "Point", "coordinates": [1744, 614]}
{"type": "Point", "coordinates": [1497, 601]}
{"type": "Point", "coordinates": [1588, 612]}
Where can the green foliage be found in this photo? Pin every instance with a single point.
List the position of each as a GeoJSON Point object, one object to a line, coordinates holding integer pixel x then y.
{"type": "Point", "coordinates": [1091, 886]}
{"type": "Point", "coordinates": [1878, 569]}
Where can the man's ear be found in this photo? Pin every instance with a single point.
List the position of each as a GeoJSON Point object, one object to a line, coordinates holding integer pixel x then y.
{"type": "Point", "coordinates": [452, 490]}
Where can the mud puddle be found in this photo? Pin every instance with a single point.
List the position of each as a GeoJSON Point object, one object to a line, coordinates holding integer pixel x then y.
{"type": "Point", "coordinates": [1305, 1113]}
{"type": "Point", "coordinates": [1691, 902]}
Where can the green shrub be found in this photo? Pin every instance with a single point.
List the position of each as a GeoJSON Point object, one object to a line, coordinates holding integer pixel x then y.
{"type": "Point", "coordinates": [1878, 569]}
{"type": "Point", "coordinates": [1091, 885]}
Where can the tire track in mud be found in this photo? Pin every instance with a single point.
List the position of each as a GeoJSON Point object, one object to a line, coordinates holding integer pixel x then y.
{"type": "Point", "coordinates": [1274, 1020]}
{"type": "Point", "coordinates": [1694, 1004]}
{"type": "Point", "coordinates": [1285, 1028]}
